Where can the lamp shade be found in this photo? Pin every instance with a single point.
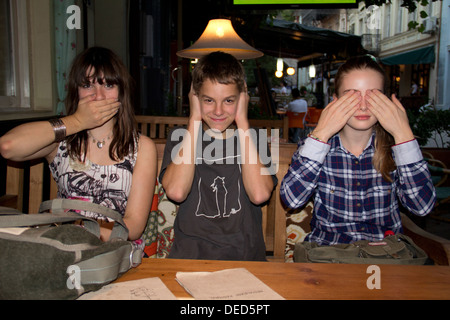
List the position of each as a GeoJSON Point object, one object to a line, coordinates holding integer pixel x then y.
{"type": "Point", "coordinates": [219, 35]}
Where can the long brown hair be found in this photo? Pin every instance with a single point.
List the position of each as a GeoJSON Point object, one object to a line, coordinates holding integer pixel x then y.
{"type": "Point", "coordinates": [108, 68]}
{"type": "Point", "coordinates": [382, 160]}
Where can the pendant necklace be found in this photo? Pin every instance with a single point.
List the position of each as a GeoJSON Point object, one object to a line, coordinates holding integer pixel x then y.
{"type": "Point", "coordinates": [99, 143]}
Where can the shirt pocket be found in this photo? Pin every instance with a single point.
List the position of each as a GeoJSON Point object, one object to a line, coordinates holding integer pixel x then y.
{"type": "Point", "coordinates": [382, 196]}
{"type": "Point", "coordinates": [334, 195]}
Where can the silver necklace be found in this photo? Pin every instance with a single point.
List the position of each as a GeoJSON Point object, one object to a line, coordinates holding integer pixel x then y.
{"type": "Point", "coordinates": [100, 143]}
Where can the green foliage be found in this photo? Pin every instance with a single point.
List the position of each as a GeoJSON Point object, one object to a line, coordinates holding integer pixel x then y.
{"type": "Point", "coordinates": [265, 62]}
{"type": "Point", "coordinates": [255, 112]}
{"type": "Point", "coordinates": [430, 123]}
{"type": "Point", "coordinates": [411, 5]}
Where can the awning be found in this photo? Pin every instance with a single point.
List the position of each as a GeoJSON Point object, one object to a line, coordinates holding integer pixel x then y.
{"type": "Point", "coordinates": [419, 56]}
{"type": "Point", "coordinates": [293, 40]}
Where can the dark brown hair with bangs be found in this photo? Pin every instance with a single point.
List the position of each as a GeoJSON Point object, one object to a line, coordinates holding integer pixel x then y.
{"type": "Point", "coordinates": [382, 159]}
{"type": "Point", "coordinates": [104, 66]}
{"type": "Point", "coordinates": [218, 67]}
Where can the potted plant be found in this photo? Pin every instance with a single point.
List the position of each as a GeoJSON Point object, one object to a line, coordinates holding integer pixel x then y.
{"type": "Point", "coordinates": [430, 123]}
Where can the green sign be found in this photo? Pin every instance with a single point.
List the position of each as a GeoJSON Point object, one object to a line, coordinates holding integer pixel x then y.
{"type": "Point", "coordinates": [268, 2]}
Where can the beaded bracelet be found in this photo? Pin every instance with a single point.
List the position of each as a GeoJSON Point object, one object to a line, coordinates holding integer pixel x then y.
{"type": "Point", "coordinates": [315, 138]}
{"type": "Point", "coordinates": [59, 128]}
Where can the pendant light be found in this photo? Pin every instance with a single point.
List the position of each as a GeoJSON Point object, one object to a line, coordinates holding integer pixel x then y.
{"type": "Point", "coordinates": [219, 35]}
{"type": "Point", "coordinates": [280, 68]}
{"type": "Point", "coordinates": [312, 71]}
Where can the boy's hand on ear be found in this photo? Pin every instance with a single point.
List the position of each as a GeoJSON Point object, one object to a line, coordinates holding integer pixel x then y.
{"type": "Point", "coordinates": [194, 103]}
{"type": "Point", "coordinates": [242, 110]}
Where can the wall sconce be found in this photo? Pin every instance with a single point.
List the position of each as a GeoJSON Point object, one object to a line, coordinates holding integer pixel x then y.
{"type": "Point", "coordinates": [312, 71]}
{"type": "Point", "coordinates": [290, 71]}
{"type": "Point", "coordinates": [219, 35]}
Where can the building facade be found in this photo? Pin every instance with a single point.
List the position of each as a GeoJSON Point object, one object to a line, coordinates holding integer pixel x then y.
{"type": "Point", "coordinates": [411, 56]}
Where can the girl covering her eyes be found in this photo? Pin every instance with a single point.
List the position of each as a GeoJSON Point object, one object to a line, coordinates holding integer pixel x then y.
{"type": "Point", "coordinates": [360, 162]}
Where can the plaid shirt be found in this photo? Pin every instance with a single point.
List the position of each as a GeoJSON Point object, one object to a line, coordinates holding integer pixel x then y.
{"type": "Point", "coordinates": [351, 199]}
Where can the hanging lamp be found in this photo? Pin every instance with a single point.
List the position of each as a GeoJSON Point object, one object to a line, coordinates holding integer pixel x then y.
{"type": "Point", "coordinates": [280, 68]}
{"type": "Point", "coordinates": [219, 35]}
{"type": "Point", "coordinates": [312, 71]}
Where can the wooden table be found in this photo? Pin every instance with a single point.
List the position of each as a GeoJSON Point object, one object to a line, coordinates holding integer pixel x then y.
{"type": "Point", "coordinates": [297, 281]}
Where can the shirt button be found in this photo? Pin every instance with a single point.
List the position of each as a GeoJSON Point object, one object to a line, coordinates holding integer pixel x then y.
{"type": "Point", "coordinates": [358, 204]}
{"type": "Point", "coordinates": [356, 162]}
{"type": "Point", "coordinates": [358, 184]}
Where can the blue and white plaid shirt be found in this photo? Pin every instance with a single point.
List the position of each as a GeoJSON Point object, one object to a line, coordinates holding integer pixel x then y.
{"type": "Point", "coordinates": [351, 199]}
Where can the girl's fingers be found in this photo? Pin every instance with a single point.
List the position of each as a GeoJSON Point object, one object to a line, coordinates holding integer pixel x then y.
{"type": "Point", "coordinates": [87, 99]}
{"type": "Point", "coordinates": [377, 98]}
{"type": "Point", "coordinates": [105, 106]}
{"type": "Point", "coordinates": [338, 101]}
{"type": "Point", "coordinates": [382, 106]}
{"type": "Point", "coordinates": [379, 104]}
{"type": "Point", "coordinates": [397, 102]}
{"type": "Point", "coordinates": [350, 104]}
{"type": "Point", "coordinates": [337, 113]}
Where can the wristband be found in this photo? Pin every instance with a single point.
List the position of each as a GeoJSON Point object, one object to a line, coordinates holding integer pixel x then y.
{"type": "Point", "coordinates": [59, 128]}
{"type": "Point", "coordinates": [315, 138]}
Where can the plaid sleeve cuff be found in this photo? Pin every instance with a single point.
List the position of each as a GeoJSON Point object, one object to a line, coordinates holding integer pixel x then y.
{"type": "Point", "coordinates": [407, 152]}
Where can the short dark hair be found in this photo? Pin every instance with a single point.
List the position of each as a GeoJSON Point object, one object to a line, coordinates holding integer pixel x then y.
{"type": "Point", "coordinates": [218, 67]}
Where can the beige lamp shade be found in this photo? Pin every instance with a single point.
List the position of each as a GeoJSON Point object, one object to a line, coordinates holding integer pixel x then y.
{"type": "Point", "coordinates": [219, 35]}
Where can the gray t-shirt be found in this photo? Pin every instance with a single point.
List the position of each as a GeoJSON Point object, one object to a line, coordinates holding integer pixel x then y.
{"type": "Point", "coordinates": [217, 221]}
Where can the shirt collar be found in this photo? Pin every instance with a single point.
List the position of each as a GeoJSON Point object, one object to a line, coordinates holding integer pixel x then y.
{"type": "Point", "coordinates": [337, 146]}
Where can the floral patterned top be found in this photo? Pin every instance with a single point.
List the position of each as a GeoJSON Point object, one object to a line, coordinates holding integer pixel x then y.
{"type": "Point", "coordinates": [107, 185]}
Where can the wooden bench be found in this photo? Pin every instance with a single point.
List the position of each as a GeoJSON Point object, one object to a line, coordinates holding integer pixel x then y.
{"type": "Point", "coordinates": [27, 185]}
{"type": "Point", "coordinates": [274, 214]}
{"type": "Point", "coordinates": [30, 183]}
{"type": "Point", "coordinates": [158, 127]}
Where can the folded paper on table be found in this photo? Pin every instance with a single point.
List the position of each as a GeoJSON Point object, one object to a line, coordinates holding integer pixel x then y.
{"type": "Point", "coordinates": [144, 289]}
{"type": "Point", "coordinates": [229, 284]}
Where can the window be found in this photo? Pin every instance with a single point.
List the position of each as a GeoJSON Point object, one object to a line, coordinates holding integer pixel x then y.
{"type": "Point", "coordinates": [351, 30]}
{"type": "Point", "coordinates": [14, 67]}
{"type": "Point", "coordinates": [399, 18]}
{"type": "Point", "coordinates": [387, 21]}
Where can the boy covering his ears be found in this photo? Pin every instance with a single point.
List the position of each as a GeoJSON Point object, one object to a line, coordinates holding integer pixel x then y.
{"type": "Point", "coordinates": [213, 169]}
